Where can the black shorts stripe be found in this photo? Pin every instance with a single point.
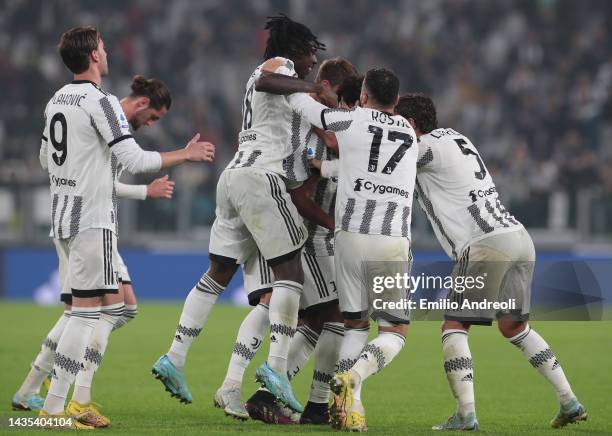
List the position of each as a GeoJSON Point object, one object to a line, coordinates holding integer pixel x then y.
{"type": "Point", "coordinates": [319, 279]}
{"type": "Point", "coordinates": [288, 215]}
{"type": "Point", "coordinates": [104, 258]}
{"type": "Point", "coordinates": [284, 211]}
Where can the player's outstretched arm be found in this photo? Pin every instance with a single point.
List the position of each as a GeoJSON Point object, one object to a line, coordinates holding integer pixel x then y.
{"type": "Point", "coordinates": [280, 84]}
{"type": "Point", "coordinates": [158, 188]}
{"type": "Point", "coordinates": [307, 207]}
{"type": "Point", "coordinates": [194, 151]}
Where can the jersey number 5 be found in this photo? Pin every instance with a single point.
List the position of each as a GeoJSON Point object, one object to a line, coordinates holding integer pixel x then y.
{"type": "Point", "coordinates": [60, 145]}
{"type": "Point", "coordinates": [466, 151]}
{"type": "Point", "coordinates": [393, 135]}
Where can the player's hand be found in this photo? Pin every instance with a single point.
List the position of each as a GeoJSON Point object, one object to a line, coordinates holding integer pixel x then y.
{"type": "Point", "coordinates": [315, 163]}
{"type": "Point", "coordinates": [160, 188]}
{"type": "Point", "coordinates": [327, 96]}
{"type": "Point", "coordinates": [198, 151]}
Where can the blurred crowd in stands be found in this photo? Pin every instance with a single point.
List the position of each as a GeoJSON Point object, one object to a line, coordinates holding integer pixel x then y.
{"type": "Point", "coordinates": [529, 81]}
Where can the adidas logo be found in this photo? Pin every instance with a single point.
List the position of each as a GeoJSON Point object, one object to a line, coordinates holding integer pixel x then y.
{"type": "Point", "coordinates": [468, 378]}
{"type": "Point", "coordinates": [556, 364]}
{"type": "Point", "coordinates": [178, 338]}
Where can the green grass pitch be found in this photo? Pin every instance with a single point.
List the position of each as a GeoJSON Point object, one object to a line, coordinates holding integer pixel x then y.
{"type": "Point", "coordinates": [406, 398]}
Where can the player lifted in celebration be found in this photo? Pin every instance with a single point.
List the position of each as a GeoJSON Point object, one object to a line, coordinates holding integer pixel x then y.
{"type": "Point", "coordinates": [148, 102]}
{"type": "Point", "coordinates": [460, 199]}
{"type": "Point", "coordinates": [254, 211]}
{"type": "Point", "coordinates": [314, 198]}
{"type": "Point", "coordinates": [377, 169]}
{"type": "Point", "coordinates": [86, 127]}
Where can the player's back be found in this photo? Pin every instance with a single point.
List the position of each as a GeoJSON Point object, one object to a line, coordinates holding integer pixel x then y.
{"type": "Point", "coordinates": [456, 191]}
{"type": "Point", "coordinates": [265, 138]}
{"type": "Point", "coordinates": [79, 160]}
{"type": "Point", "coordinates": [377, 170]}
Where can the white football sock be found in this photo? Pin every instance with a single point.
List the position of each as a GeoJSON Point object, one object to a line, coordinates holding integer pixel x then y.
{"type": "Point", "coordinates": [130, 312]}
{"type": "Point", "coordinates": [69, 357]}
{"type": "Point", "coordinates": [43, 363]}
{"type": "Point", "coordinates": [302, 346]}
{"type": "Point", "coordinates": [377, 354]}
{"type": "Point", "coordinates": [542, 358]}
{"type": "Point", "coordinates": [248, 341]}
{"type": "Point", "coordinates": [352, 344]}
{"type": "Point", "coordinates": [284, 306]}
{"type": "Point", "coordinates": [326, 357]}
{"type": "Point", "coordinates": [95, 350]}
{"type": "Point", "coordinates": [458, 368]}
{"type": "Point", "coordinates": [197, 306]}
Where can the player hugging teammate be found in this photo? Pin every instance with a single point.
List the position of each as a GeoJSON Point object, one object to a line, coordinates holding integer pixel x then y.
{"type": "Point", "coordinates": [297, 209]}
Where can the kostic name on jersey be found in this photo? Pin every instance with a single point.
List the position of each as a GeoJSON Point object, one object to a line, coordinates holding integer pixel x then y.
{"type": "Point", "coordinates": [380, 189]}
{"type": "Point", "coordinates": [383, 118]}
{"type": "Point", "coordinates": [481, 193]}
{"type": "Point", "coordinates": [57, 181]}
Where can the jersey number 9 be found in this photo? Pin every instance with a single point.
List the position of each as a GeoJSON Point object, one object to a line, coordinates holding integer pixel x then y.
{"type": "Point", "coordinates": [61, 145]}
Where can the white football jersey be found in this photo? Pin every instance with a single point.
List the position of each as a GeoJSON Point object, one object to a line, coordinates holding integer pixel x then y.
{"type": "Point", "coordinates": [266, 138]}
{"type": "Point", "coordinates": [377, 166]}
{"type": "Point", "coordinates": [320, 240]}
{"type": "Point", "coordinates": [457, 193]}
{"type": "Point", "coordinates": [82, 123]}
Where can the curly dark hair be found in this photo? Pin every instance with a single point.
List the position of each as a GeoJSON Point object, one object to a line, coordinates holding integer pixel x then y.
{"type": "Point", "coordinates": [421, 109]}
{"type": "Point", "coordinates": [288, 38]}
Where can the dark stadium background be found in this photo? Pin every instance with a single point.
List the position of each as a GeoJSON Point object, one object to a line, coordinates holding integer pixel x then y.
{"type": "Point", "coordinates": [530, 82]}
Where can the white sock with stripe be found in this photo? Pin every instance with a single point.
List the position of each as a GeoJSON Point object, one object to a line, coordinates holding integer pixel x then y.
{"type": "Point", "coordinates": [458, 369]}
{"type": "Point", "coordinates": [69, 357]}
{"type": "Point", "coordinates": [197, 306]}
{"type": "Point", "coordinates": [302, 346]}
{"type": "Point", "coordinates": [326, 357]}
{"type": "Point", "coordinates": [352, 344]}
{"type": "Point", "coordinates": [377, 354]}
{"type": "Point", "coordinates": [95, 351]}
{"type": "Point", "coordinates": [248, 341]}
{"type": "Point", "coordinates": [130, 312]}
{"type": "Point", "coordinates": [542, 358]}
{"type": "Point", "coordinates": [284, 306]}
{"type": "Point", "coordinates": [43, 363]}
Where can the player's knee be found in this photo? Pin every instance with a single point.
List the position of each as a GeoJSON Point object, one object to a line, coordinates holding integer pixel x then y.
{"type": "Point", "coordinates": [392, 327]}
{"type": "Point", "coordinates": [288, 267]}
{"type": "Point", "coordinates": [509, 327]}
{"type": "Point", "coordinates": [455, 325]}
{"type": "Point", "coordinates": [221, 272]}
{"type": "Point", "coordinates": [356, 323]}
{"type": "Point", "coordinates": [265, 298]}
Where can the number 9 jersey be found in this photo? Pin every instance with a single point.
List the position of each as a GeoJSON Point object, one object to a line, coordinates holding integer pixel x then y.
{"type": "Point", "coordinates": [82, 124]}
{"type": "Point", "coordinates": [457, 192]}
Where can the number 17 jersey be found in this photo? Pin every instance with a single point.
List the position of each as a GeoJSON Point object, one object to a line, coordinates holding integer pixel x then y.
{"type": "Point", "coordinates": [377, 170]}
{"type": "Point", "coordinates": [457, 193]}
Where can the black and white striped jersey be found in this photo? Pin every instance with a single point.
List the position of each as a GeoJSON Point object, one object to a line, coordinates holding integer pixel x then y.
{"type": "Point", "coordinates": [266, 138]}
{"type": "Point", "coordinates": [320, 240]}
{"type": "Point", "coordinates": [82, 123]}
{"type": "Point", "coordinates": [457, 193]}
{"type": "Point", "coordinates": [377, 166]}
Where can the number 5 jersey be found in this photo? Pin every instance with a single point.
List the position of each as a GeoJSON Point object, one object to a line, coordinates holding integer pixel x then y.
{"type": "Point", "coordinates": [457, 192]}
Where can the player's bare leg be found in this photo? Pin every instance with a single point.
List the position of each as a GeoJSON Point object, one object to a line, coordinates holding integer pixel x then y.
{"type": "Point", "coordinates": [200, 301]}
{"type": "Point", "coordinates": [248, 342]}
{"type": "Point", "coordinates": [81, 406]}
{"type": "Point", "coordinates": [28, 396]}
{"type": "Point", "coordinates": [284, 305]}
{"type": "Point", "coordinates": [459, 373]}
{"type": "Point", "coordinates": [542, 358]}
